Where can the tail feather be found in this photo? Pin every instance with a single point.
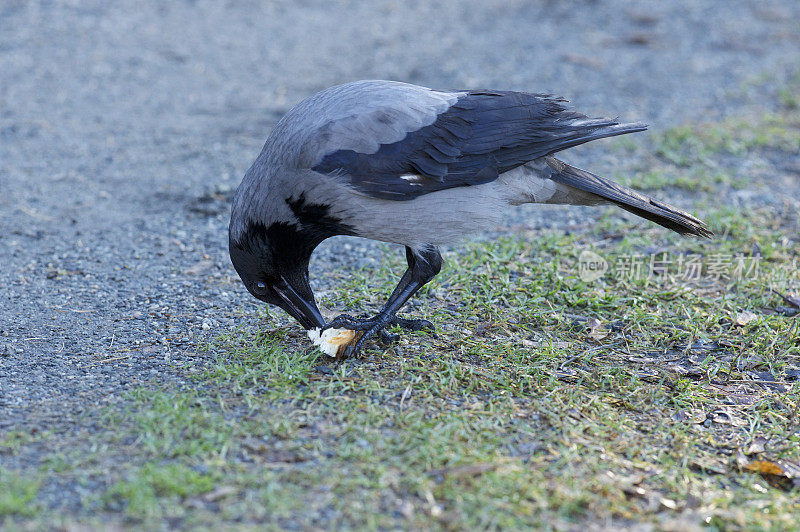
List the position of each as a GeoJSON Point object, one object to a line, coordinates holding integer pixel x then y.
{"type": "Point", "coordinates": [661, 213]}
{"type": "Point", "coordinates": [596, 128]}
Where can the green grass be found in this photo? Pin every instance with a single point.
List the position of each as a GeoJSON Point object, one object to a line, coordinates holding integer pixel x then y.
{"type": "Point", "coordinates": [698, 143]}
{"type": "Point", "coordinates": [17, 493]}
{"type": "Point", "coordinates": [14, 440]}
{"type": "Point", "coordinates": [543, 400]}
{"type": "Point", "coordinates": [156, 489]}
{"type": "Point", "coordinates": [702, 157]}
{"type": "Point", "coordinates": [789, 98]}
{"type": "Point", "coordinates": [515, 414]}
{"type": "Point", "coordinates": [696, 179]}
{"type": "Point", "coordinates": [178, 425]}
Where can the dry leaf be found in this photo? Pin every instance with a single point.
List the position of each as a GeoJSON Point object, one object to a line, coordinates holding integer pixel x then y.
{"type": "Point", "coordinates": [220, 492]}
{"type": "Point", "coordinates": [779, 473]}
{"type": "Point", "coordinates": [726, 417]}
{"type": "Point", "coordinates": [694, 415]}
{"type": "Point", "coordinates": [745, 317]}
{"type": "Point", "coordinates": [756, 446]}
{"type": "Point", "coordinates": [596, 329]}
{"type": "Point", "coordinates": [764, 467]}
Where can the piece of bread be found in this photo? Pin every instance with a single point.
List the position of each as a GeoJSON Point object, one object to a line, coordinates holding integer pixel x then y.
{"type": "Point", "coordinates": [333, 342]}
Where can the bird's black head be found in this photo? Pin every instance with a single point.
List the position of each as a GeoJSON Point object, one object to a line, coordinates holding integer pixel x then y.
{"type": "Point", "coordinates": [273, 264]}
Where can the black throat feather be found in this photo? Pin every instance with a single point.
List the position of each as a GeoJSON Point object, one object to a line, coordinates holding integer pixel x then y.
{"type": "Point", "coordinates": [290, 244]}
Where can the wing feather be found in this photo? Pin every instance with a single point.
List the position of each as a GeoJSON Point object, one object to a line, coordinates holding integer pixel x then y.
{"type": "Point", "coordinates": [480, 135]}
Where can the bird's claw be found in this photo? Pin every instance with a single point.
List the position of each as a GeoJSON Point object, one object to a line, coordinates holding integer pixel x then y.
{"type": "Point", "coordinates": [345, 321]}
{"type": "Point", "coordinates": [373, 326]}
{"type": "Point", "coordinates": [388, 337]}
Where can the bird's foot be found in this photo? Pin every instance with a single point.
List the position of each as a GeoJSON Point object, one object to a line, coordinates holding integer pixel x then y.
{"type": "Point", "coordinates": [376, 325]}
{"type": "Point", "coordinates": [345, 321]}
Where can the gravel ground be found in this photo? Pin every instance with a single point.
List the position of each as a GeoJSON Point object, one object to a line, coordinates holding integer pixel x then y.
{"type": "Point", "coordinates": [123, 127]}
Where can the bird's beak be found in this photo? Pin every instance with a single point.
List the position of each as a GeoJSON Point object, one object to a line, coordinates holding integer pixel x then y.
{"type": "Point", "coordinates": [303, 309]}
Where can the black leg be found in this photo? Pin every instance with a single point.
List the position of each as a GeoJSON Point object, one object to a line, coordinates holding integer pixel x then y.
{"type": "Point", "coordinates": [423, 265]}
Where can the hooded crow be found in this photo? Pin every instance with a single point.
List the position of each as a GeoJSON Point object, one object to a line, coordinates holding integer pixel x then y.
{"type": "Point", "coordinates": [401, 163]}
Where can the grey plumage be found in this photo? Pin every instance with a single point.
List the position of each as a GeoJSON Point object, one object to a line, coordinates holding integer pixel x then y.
{"type": "Point", "coordinates": [402, 163]}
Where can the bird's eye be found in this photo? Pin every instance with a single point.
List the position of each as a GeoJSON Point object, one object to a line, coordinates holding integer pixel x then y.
{"type": "Point", "coordinates": [260, 287]}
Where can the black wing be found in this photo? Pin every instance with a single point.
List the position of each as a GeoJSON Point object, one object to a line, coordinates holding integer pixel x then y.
{"type": "Point", "coordinates": [482, 135]}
